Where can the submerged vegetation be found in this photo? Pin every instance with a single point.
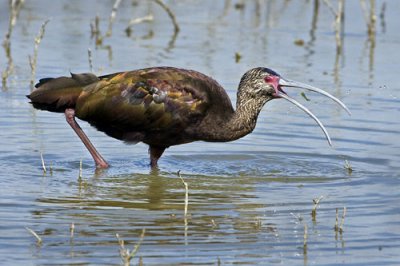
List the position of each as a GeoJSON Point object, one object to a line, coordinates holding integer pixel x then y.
{"type": "Point", "coordinates": [126, 254]}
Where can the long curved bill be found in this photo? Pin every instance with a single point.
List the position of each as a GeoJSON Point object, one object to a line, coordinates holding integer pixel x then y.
{"type": "Point", "coordinates": [293, 101]}
{"type": "Point", "coordinates": [295, 84]}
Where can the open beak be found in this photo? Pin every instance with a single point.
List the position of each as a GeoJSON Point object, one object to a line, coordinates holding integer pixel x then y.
{"type": "Point", "coordinates": [294, 84]}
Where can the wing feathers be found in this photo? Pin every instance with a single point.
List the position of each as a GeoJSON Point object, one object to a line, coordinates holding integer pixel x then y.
{"type": "Point", "coordinates": [145, 102]}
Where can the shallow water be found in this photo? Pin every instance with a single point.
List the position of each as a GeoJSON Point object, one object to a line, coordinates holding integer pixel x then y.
{"type": "Point", "coordinates": [248, 199]}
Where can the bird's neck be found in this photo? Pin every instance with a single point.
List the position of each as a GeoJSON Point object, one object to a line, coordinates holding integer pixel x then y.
{"type": "Point", "coordinates": [237, 124]}
{"type": "Point", "coordinates": [244, 120]}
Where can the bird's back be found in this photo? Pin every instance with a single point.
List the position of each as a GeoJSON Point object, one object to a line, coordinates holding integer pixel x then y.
{"type": "Point", "coordinates": [159, 106]}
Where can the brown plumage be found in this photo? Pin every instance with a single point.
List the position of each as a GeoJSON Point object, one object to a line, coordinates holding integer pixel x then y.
{"type": "Point", "coordinates": [161, 106]}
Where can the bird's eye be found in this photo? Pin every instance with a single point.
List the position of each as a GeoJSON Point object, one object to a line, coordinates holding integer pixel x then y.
{"type": "Point", "coordinates": [269, 79]}
{"type": "Point", "coordinates": [272, 80]}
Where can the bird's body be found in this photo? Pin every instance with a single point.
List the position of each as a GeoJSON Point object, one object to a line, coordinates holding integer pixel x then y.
{"type": "Point", "coordinates": [160, 106]}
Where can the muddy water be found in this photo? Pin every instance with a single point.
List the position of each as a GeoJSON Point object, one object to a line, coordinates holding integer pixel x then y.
{"type": "Point", "coordinates": [248, 200]}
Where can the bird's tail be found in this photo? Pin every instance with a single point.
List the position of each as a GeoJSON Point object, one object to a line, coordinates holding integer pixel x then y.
{"type": "Point", "coordinates": [57, 94]}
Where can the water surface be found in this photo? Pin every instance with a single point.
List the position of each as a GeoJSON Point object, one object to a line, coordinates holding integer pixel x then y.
{"type": "Point", "coordinates": [248, 200]}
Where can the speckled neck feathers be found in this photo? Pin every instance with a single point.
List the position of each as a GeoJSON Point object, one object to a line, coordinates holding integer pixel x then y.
{"type": "Point", "coordinates": [236, 124]}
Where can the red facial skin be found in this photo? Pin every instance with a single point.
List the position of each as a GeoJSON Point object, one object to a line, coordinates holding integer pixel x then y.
{"type": "Point", "coordinates": [274, 82]}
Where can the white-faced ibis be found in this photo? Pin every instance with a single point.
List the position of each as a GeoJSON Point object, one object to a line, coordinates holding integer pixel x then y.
{"type": "Point", "coordinates": [164, 106]}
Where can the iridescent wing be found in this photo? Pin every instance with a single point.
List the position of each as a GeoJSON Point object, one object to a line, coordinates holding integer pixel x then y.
{"type": "Point", "coordinates": [135, 105]}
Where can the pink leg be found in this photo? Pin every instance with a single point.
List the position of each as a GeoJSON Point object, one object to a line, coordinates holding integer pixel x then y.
{"type": "Point", "coordinates": [70, 117]}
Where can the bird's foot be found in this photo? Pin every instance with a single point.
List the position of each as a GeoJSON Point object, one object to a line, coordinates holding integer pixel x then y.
{"type": "Point", "coordinates": [155, 154]}
{"type": "Point", "coordinates": [102, 164]}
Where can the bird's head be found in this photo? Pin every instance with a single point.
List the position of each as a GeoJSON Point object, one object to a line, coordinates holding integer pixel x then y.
{"type": "Point", "coordinates": [260, 85]}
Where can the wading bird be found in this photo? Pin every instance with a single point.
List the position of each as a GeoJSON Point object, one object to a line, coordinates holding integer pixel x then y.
{"type": "Point", "coordinates": [164, 106]}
